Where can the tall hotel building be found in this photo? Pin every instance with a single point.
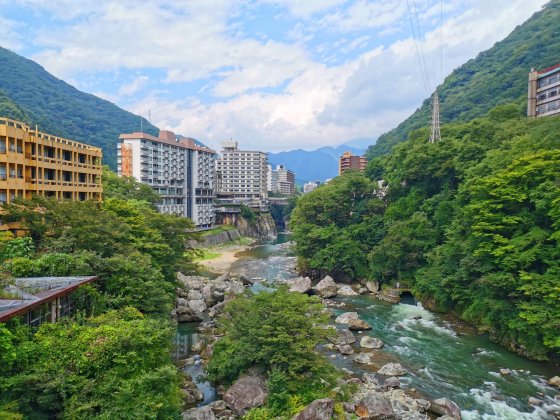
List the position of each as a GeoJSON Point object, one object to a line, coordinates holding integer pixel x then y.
{"type": "Point", "coordinates": [179, 169]}
{"type": "Point", "coordinates": [242, 175]}
{"type": "Point", "coordinates": [544, 92]}
{"type": "Point", "coordinates": [349, 161]}
{"type": "Point", "coordinates": [33, 162]}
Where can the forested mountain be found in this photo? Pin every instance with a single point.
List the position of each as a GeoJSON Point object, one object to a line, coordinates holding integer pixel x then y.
{"type": "Point", "coordinates": [495, 77]}
{"type": "Point", "coordinates": [29, 93]}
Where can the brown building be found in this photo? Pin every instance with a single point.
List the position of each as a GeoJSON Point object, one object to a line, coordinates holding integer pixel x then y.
{"type": "Point", "coordinates": [544, 92]}
{"type": "Point", "coordinates": [350, 161]}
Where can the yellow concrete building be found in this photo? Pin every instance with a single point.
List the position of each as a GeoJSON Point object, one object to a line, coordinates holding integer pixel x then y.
{"type": "Point", "coordinates": [32, 162]}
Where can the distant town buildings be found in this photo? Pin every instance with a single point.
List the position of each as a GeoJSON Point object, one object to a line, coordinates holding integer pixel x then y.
{"type": "Point", "coordinates": [310, 186]}
{"type": "Point", "coordinates": [544, 92]}
{"type": "Point", "coordinates": [349, 161]}
{"type": "Point", "coordinates": [179, 169]}
{"type": "Point", "coordinates": [241, 175]}
{"type": "Point", "coordinates": [281, 180]}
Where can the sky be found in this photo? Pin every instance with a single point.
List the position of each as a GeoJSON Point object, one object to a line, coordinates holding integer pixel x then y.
{"type": "Point", "coordinates": [272, 74]}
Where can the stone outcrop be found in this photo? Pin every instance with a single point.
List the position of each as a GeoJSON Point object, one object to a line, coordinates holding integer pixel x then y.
{"type": "Point", "coordinates": [247, 392]}
{"type": "Point", "coordinates": [343, 337]}
{"type": "Point", "coordinates": [374, 405]}
{"type": "Point", "coordinates": [362, 358]}
{"type": "Point", "coordinates": [392, 369]}
{"type": "Point", "coordinates": [346, 291]}
{"type": "Point", "coordinates": [345, 349]}
{"type": "Point", "coordinates": [190, 391]}
{"type": "Point", "coordinates": [368, 342]}
{"type": "Point", "coordinates": [317, 410]}
{"type": "Point", "coordinates": [372, 286]}
{"type": "Point", "coordinates": [390, 295]}
{"type": "Point", "coordinates": [358, 325]}
{"type": "Point", "coordinates": [299, 285]}
{"type": "Point", "coordinates": [346, 317]}
{"type": "Point", "coordinates": [554, 381]}
{"type": "Point", "coordinates": [326, 288]}
{"type": "Point", "coordinates": [199, 413]}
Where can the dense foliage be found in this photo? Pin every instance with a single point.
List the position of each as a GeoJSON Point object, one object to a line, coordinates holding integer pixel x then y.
{"type": "Point", "coordinates": [495, 77]}
{"type": "Point", "coordinates": [277, 332]}
{"type": "Point", "coordinates": [471, 223]}
{"type": "Point", "coordinates": [113, 359]}
{"type": "Point", "coordinates": [60, 109]}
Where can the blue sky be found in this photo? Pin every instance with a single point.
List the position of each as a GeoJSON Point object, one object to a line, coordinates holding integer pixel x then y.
{"type": "Point", "coordinates": [272, 74]}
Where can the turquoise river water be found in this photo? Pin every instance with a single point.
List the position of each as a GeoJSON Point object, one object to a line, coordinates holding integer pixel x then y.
{"type": "Point", "coordinates": [445, 358]}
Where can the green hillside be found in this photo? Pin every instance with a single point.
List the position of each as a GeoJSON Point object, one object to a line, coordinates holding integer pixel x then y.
{"type": "Point", "coordinates": [29, 93]}
{"type": "Point", "coordinates": [495, 77]}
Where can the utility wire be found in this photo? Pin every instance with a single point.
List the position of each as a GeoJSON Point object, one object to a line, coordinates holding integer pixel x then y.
{"type": "Point", "coordinates": [421, 43]}
{"type": "Point", "coordinates": [420, 66]}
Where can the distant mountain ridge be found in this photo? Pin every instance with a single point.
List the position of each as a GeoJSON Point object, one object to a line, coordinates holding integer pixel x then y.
{"type": "Point", "coordinates": [495, 77]}
{"type": "Point", "coordinates": [29, 93]}
{"type": "Point", "coordinates": [314, 165]}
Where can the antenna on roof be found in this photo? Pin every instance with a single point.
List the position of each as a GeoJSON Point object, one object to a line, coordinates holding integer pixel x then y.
{"type": "Point", "coordinates": [141, 124]}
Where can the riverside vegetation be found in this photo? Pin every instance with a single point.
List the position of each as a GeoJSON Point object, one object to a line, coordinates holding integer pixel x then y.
{"type": "Point", "coordinates": [470, 223]}
{"type": "Point", "coordinates": [113, 359]}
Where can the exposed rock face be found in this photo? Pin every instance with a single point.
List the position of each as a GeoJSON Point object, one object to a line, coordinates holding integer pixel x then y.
{"type": "Point", "coordinates": [392, 382]}
{"type": "Point", "coordinates": [373, 405]}
{"type": "Point", "coordinates": [443, 406]}
{"type": "Point", "coordinates": [554, 381]}
{"type": "Point", "coordinates": [343, 337]}
{"type": "Point", "coordinates": [247, 392]}
{"type": "Point", "coordinates": [362, 358]}
{"type": "Point", "coordinates": [326, 288]}
{"type": "Point", "coordinates": [300, 285]}
{"type": "Point", "coordinates": [372, 286]}
{"type": "Point", "coordinates": [390, 295]}
{"type": "Point", "coordinates": [392, 369]}
{"type": "Point", "coordinates": [317, 410]}
{"type": "Point", "coordinates": [358, 325]}
{"type": "Point", "coordinates": [371, 342]}
{"type": "Point", "coordinates": [346, 317]}
{"type": "Point", "coordinates": [346, 291]}
{"type": "Point", "coordinates": [199, 413]}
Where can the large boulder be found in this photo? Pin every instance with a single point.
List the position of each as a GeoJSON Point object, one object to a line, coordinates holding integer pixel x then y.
{"type": "Point", "coordinates": [346, 317]}
{"type": "Point", "coordinates": [235, 288]}
{"type": "Point", "coordinates": [343, 337]}
{"type": "Point", "coordinates": [197, 305]}
{"type": "Point", "coordinates": [185, 314]}
{"type": "Point", "coordinates": [199, 413]}
{"type": "Point", "coordinates": [392, 369]}
{"type": "Point", "coordinates": [368, 342]}
{"type": "Point", "coordinates": [194, 295]}
{"type": "Point", "coordinates": [300, 285]}
{"type": "Point", "coordinates": [358, 325]}
{"type": "Point", "coordinates": [326, 288]}
{"type": "Point", "coordinates": [317, 410]}
{"type": "Point", "coordinates": [362, 358]}
{"type": "Point", "coordinates": [345, 349]}
{"type": "Point", "coordinates": [554, 381]}
{"type": "Point", "coordinates": [191, 393]}
{"type": "Point", "coordinates": [372, 286]}
{"type": "Point", "coordinates": [346, 291]}
{"type": "Point", "coordinates": [247, 392]}
{"type": "Point", "coordinates": [445, 407]}
{"type": "Point", "coordinates": [373, 405]}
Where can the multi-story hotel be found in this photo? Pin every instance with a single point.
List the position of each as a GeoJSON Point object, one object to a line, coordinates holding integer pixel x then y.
{"type": "Point", "coordinates": [32, 162]}
{"type": "Point", "coordinates": [310, 186]}
{"type": "Point", "coordinates": [281, 180]}
{"type": "Point", "coordinates": [544, 92]}
{"type": "Point", "coordinates": [179, 169]}
{"type": "Point", "coordinates": [242, 175]}
{"type": "Point", "coordinates": [349, 161]}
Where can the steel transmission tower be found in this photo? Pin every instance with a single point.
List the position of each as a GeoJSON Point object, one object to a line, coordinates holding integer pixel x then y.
{"type": "Point", "coordinates": [435, 134]}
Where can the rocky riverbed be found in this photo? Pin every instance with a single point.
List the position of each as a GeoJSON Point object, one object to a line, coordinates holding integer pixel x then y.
{"type": "Point", "coordinates": [371, 355]}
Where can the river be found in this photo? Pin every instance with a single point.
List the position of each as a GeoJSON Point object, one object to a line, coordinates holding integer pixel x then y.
{"type": "Point", "coordinates": [445, 358]}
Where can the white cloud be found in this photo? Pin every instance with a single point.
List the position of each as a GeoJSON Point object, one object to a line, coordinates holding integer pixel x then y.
{"type": "Point", "coordinates": [134, 86]}
{"type": "Point", "coordinates": [10, 36]}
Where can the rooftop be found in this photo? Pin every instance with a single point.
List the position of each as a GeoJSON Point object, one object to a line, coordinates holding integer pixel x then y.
{"type": "Point", "coordinates": [29, 292]}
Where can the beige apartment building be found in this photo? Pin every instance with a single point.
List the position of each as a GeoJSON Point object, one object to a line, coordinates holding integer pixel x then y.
{"type": "Point", "coordinates": [544, 92]}
{"type": "Point", "coordinates": [349, 161]}
{"type": "Point", "coordinates": [33, 162]}
{"type": "Point", "coordinates": [241, 175]}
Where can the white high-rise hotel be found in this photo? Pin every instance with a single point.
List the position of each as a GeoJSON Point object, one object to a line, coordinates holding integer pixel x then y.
{"type": "Point", "coordinates": [242, 175]}
{"type": "Point", "coordinates": [179, 169]}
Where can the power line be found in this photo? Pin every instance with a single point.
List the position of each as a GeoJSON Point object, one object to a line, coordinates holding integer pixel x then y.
{"type": "Point", "coordinates": [420, 67]}
{"type": "Point", "coordinates": [421, 43]}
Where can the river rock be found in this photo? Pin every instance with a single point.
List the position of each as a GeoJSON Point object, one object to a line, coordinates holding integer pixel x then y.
{"type": "Point", "coordinates": [343, 337]}
{"type": "Point", "coordinates": [370, 378]}
{"type": "Point", "coordinates": [218, 406]}
{"type": "Point", "coordinates": [554, 381]}
{"type": "Point", "coordinates": [371, 342]}
{"type": "Point", "coordinates": [392, 369]}
{"type": "Point", "coordinates": [326, 288]}
{"type": "Point", "coordinates": [346, 317]}
{"type": "Point", "coordinates": [349, 407]}
{"type": "Point", "coordinates": [199, 413]}
{"type": "Point", "coordinates": [373, 405]}
{"type": "Point", "coordinates": [185, 314]}
{"type": "Point", "coordinates": [235, 288]}
{"type": "Point", "coordinates": [534, 401]}
{"type": "Point", "coordinates": [372, 286]}
{"type": "Point", "coordinates": [247, 392]}
{"type": "Point", "coordinates": [358, 325]}
{"type": "Point", "coordinates": [317, 410]}
{"type": "Point", "coordinates": [329, 312]}
{"type": "Point", "coordinates": [362, 358]}
{"type": "Point", "coordinates": [444, 406]}
{"type": "Point", "coordinates": [345, 349]}
{"type": "Point", "coordinates": [194, 295]}
{"type": "Point", "coordinates": [392, 382]}
{"type": "Point", "coordinates": [300, 285]}
{"type": "Point", "coordinates": [363, 291]}
{"type": "Point", "coordinates": [197, 305]}
{"type": "Point", "coordinates": [346, 291]}
{"type": "Point", "coordinates": [505, 371]}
